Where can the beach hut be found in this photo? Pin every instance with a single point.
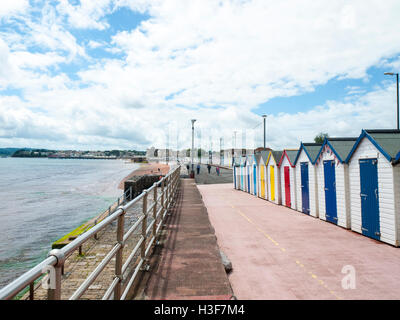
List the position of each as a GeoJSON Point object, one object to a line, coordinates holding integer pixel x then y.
{"type": "Point", "coordinates": [250, 173]}
{"type": "Point", "coordinates": [262, 174]}
{"type": "Point", "coordinates": [257, 159]}
{"type": "Point", "coordinates": [333, 182]}
{"type": "Point", "coordinates": [274, 186]}
{"type": "Point", "coordinates": [236, 173]}
{"type": "Point", "coordinates": [254, 179]}
{"type": "Point", "coordinates": [288, 177]}
{"type": "Point", "coordinates": [374, 180]}
{"type": "Point", "coordinates": [243, 177]}
{"type": "Point", "coordinates": [306, 178]}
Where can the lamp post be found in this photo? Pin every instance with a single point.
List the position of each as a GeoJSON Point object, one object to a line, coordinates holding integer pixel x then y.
{"type": "Point", "coordinates": [264, 117]}
{"type": "Point", "coordinates": [397, 78]}
{"type": "Point", "coordinates": [192, 173]}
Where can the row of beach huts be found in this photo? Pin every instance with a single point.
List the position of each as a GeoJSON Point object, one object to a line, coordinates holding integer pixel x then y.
{"type": "Point", "coordinates": [353, 182]}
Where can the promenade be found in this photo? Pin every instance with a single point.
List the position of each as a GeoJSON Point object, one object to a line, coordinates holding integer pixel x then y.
{"type": "Point", "coordinates": [186, 264]}
{"type": "Point", "coordinates": [279, 253]}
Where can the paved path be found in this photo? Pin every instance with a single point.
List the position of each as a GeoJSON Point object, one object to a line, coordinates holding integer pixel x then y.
{"type": "Point", "coordinates": [187, 265]}
{"type": "Point", "coordinates": [279, 253]}
{"type": "Point", "coordinates": [212, 178]}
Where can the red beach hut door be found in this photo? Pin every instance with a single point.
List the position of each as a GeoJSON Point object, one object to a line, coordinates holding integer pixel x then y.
{"type": "Point", "coordinates": [287, 186]}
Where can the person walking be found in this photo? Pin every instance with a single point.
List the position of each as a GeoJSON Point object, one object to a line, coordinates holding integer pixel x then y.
{"type": "Point", "coordinates": [209, 168]}
{"type": "Point", "coordinates": [187, 167]}
{"type": "Point", "coordinates": [198, 168]}
{"type": "Point", "coordinates": [217, 170]}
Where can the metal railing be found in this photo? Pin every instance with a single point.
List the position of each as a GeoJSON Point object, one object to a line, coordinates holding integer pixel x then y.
{"type": "Point", "coordinates": [53, 265]}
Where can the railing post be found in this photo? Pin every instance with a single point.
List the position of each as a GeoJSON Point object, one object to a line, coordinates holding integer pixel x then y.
{"type": "Point", "coordinates": [167, 194]}
{"type": "Point", "coordinates": [144, 227]}
{"type": "Point", "coordinates": [54, 288]}
{"type": "Point", "coordinates": [162, 198]}
{"type": "Point", "coordinates": [155, 210]}
{"type": "Point", "coordinates": [118, 256]}
{"type": "Point", "coordinates": [31, 291]}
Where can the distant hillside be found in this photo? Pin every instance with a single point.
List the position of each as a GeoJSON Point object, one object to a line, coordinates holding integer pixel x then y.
{"type": "Point", "coordinates": [32, 153]}
{"type": "Point", "coordinates": [7, 152]}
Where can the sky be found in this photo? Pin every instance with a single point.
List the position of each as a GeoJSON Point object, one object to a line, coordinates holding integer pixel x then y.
{"type": "Point", "coordinates": [131, 74]}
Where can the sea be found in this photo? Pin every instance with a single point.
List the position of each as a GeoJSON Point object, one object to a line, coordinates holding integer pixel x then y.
{"type": "Point", "coordinates": [42, 199]}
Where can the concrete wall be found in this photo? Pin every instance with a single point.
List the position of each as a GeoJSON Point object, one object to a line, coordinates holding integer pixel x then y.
{"type": "Point", "coordinates": [140, 183]}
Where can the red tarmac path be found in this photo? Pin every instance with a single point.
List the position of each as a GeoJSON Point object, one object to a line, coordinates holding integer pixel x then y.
{"type": "Point", "coordinates": [279, 253]}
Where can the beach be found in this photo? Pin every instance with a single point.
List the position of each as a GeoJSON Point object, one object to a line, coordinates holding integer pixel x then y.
{"type": "Point", "coordinates": [146, 168]}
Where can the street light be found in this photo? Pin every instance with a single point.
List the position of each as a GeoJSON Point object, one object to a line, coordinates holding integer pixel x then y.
{"type": "Point", "coordinates": [192, 173]}
{"type": "Point", "coordinates": [265, 117]}
{"type": "Point", "coordinates": [397, 78]}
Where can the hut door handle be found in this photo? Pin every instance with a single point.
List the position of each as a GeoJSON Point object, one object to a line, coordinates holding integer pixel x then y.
{"type": "Point", "coordinates": [376, 193]}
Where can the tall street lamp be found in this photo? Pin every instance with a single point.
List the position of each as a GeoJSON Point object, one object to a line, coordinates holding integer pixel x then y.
{"type": "Point", "coordinates": [192, 173]}
{"type": "Point", "coordinates": [265, 117]}
{"type": "Point", "coordinates": [397, 78]}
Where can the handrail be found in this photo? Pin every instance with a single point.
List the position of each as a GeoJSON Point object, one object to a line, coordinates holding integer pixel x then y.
{"type": "Point", "coordinates": [56, 258]}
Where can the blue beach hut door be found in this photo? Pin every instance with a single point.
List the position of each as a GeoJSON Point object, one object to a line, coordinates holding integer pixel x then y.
{"type": "Point", "coordinates": [369, 198]}
{"type": "Point", "coordinates": [305, 194]}
{"type": "Point", "coordinates": [248, 180]}
{"type": "Point", "coordinates": [330, 191]}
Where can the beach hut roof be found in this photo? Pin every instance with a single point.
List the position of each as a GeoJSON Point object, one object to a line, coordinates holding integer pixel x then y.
{"type": "Point", "coordinates": [265, 156]}
{"type": "Point", "coordinates": [341, 147]}
{"type": "Point", "coordinates": [277, 155]}
{"type": "Point", "coordinates": [250, 159]}
{"type": "Point", "coordinates": [257, 158]}
{"type": "Point", "coordinates": [291, 155]}
{"type": "Point", "coordinates": [311, 150]}
{"type": "Point", "coordinates": [387, 141]}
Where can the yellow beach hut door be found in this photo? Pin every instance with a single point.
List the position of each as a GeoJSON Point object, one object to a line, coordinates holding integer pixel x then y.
{"type": "Point", "coordinates": [262, 179]}
{"type": "Point", "coordinates": [272, 182]}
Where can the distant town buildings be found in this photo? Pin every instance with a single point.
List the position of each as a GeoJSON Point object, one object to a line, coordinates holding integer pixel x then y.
{"type": "Point", "coordinates": [225, 157]}
{"type": "Point", "coordinates": [74, 154]}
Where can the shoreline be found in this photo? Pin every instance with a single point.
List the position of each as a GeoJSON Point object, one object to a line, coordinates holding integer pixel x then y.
{"type": "Point", "coordinates": [146, 168]}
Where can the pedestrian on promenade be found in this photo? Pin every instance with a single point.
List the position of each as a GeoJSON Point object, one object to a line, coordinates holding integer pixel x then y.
{"type": "Point", "coordinates": [209, 168]}
{"type": "Point", "coordinates": [198, 168]}
{"type": "Point", "coordinates": [187, 167]}
{"type": "Point", "coordinates": [217, 170]}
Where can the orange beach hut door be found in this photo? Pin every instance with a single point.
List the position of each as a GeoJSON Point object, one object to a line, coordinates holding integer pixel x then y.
{"type": "Point", "coordinates": [272, 182]}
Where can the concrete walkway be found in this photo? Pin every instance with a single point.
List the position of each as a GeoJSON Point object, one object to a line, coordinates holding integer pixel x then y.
{"type": "Point", "coordinates": [279, 253]}
{"type": "Point", "coordinates": [187, 264]}
{"type": "Point", "coordinates": [212, 178]}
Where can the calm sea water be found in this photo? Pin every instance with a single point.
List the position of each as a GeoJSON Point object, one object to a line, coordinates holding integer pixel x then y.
{"type": "Point", "coordinates": [43, 199]}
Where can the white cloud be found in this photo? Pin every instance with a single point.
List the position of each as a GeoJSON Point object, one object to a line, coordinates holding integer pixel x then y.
{"type": "Point", "coordinates": [87, 14]}
{"type": "Point", "coordinates": [210, 60]}
{"type": "Point", "coordinates": [11, 7]}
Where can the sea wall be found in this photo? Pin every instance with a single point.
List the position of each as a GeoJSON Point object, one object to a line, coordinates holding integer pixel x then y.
{"type": "Point", "coordinates": [139, 183]}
